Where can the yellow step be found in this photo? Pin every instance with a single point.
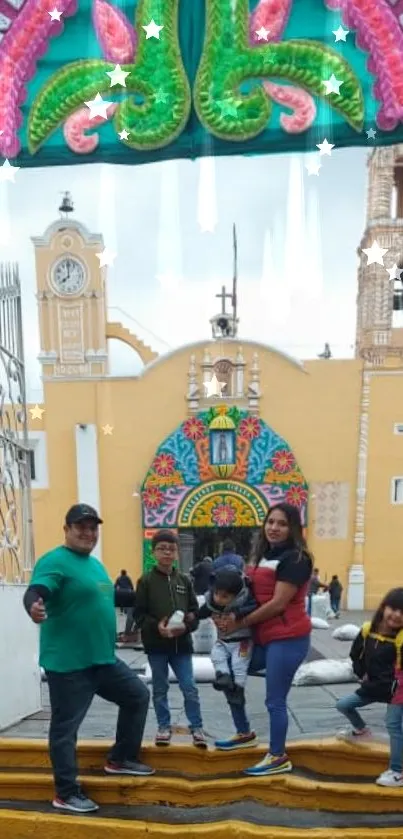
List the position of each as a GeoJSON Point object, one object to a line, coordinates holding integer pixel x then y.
{"type": "Point", "coordinates": [290, 791]}
{"type": "Point", "coordinates": [15, 825]}
{"type": "Point", "coordinates": [327, 756]}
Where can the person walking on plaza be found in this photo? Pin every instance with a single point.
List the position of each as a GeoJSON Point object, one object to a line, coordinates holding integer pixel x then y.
{"type": "Point", "coordinates": [376, 656]}
{"type": "Point", "coordinates": [166, 612]}
{"type": "Point", "coordinates": [314, 587]}
{"type": "Point", "coordinates": [72, 597]}
{"type": "Point", "coordinates": [123, 583]}
{"type": "Point", "coordinates": [200, 575]}
{"type": "Point", "coordinates": [279, 576]}
{"type": "Point", "coordinates": [335, 592]}
{"type": "Point", "coordinates": [228, 557]}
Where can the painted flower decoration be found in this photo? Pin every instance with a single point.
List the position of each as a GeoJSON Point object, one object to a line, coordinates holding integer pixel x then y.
{"type": "Point", "coordinates": [153, 497]}
{"type": "Point", "coordinates": [223, 515]}
{"type": "Point", "coordinates": [296, 495]}
{"type": "Point", "coordinates": [249, 428]}
{"type": "Point", "coordinates": [283, 461]}
{"type": "Point", "coordinates": [164, 464]}
{"type": "Point", "coordinates": [194, 428]}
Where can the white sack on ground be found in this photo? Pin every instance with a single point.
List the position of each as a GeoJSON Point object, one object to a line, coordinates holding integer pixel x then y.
{"type": "Point", "coordinates": [206, 633]}
{"type": "Point", "coordinates": [319, 623]}
{"type": "Point", "coordinates": [202, 668]}
{"type": "Point", "coordinates": [325, 672]}
{"type": "Point", "coordinates": [348, 632]}
{"type": "Point", "coordinates": [321, 606]}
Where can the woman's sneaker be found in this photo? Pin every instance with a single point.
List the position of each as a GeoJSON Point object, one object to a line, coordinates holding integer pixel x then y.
{"type": "Point", "coordinates": [239, 741]}
{"type": "Point", "coordinates": [77, 803]}
{"type": "Point", "coordinates": [270, 765]}
{"type": "Point", "coordinates": [354, 735]}
{"type": "Point", "coordinates": [390, 779]}
{"type": "Point", "coordinates": [199, 738]}
{"type": "Point", "coordinates": [163, 737]}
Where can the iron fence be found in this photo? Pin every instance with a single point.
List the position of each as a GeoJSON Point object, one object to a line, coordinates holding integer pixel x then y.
{"type": "Point", "coordinates": [16, 531]}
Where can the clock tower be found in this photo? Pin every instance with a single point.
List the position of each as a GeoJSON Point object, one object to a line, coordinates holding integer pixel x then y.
{"type": "Point", "coordinates": [71, 299]}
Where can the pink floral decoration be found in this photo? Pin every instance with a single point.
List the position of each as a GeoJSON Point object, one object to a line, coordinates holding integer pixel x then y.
{"type": "Point", "coordinates": [75, 127]}
{"type": "Point", "coordinates": [25, 42]}
{"type": "Point", "coordinates": [273, 15]}
{"type": "Point", "coordinates": [380, 34]}
{"type": "Point", "coordinates": [223, 515]}
{"type": "Point", "coordinates": [117, 37]}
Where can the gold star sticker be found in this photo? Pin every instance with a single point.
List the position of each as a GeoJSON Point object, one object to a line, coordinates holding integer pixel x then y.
{"type": "Point", "coordinates": [107, 429]}
{"type": "Point", "coordinates": [36, 412]}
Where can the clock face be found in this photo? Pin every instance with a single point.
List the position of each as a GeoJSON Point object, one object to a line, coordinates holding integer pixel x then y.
{"type": "Point", "coordinates": [68, 276]}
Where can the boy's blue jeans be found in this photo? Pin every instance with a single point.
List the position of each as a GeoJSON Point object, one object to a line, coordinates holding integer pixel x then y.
{"type": "Point", "coordinates": [281, 660]}
{"type": "Point", "coordinates": [181, 664]}
{"type": "Point", "coordinates": [394, 724]}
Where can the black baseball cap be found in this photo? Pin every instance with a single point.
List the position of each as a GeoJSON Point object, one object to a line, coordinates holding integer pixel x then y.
{"type": "Point", "coordinates": [82, 512]}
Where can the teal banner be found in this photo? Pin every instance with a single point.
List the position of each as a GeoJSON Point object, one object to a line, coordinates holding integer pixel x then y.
{"type": "Point", "coordinates": [118, 82]}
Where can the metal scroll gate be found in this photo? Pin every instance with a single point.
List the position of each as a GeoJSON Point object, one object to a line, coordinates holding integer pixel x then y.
{"type": "Point", "coordinates": [16, 531]}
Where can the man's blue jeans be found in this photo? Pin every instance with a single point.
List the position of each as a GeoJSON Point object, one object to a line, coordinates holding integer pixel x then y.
{"type": "Point", "coordinates": [281, 660]}
{"type": "Point", "coordinates": [348, 706]}
{"type": "Point", "coordinates": [394, 724]}
{"type": "Point", "coordinates": [181, 665]}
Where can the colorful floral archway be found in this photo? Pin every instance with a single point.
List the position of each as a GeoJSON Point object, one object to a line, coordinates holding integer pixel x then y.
{"type": "Point", "coordinates": [223, 467]}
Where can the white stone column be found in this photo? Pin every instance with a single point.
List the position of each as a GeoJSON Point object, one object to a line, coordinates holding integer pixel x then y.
{"type": "Point", "coordinates": [88, 490]}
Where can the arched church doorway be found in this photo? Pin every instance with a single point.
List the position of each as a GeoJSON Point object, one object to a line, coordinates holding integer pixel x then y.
{"type": "Point", "coordinates": [219, 471]}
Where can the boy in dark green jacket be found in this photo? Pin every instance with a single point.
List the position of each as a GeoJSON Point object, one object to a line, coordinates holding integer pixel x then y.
{"type": "Point", "coordinates": [160, 593]}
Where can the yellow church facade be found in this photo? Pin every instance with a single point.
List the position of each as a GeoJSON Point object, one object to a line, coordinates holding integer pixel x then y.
{"type": "Point", "coordinates": [206, 437]}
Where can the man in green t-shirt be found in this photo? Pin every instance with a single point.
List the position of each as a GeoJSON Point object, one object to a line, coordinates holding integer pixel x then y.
{"type": "Point", "coordinates": [73, 599]}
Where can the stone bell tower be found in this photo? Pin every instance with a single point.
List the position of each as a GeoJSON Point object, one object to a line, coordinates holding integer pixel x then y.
{"type": "Point", "coordinates": [379, 333]}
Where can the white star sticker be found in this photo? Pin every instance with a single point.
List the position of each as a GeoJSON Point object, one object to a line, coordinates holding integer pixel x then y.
{"type": "Point", "coordinates": [152, 30]}
{"type": "Point", "coordinates": [55, 14]}
{"type": "Point", "coordinates": [214, 387]}
{"type": "Point", "coordinates": [8, 172]}
{"type": "Point", "coordinates": [107, 429]}
{"type": "Point", "coordinates": [313, 167]}
{"type": "Point", "coordinates": [395, 273]}
{"type": "Point", "coordinates": [98, 107]}
{"type": "Point", "coordinates": [118, 76]}
{"type": "Point", "coordinates": [371, 134]}
{"type": "Point", "coordinates": [340, 34]}
{"type": "Point", "coordinates": [332, 85]}
{"type": "Point", "coordinates": [263, 34]}
{"type": "Point", "coordinates": [325, 147]}
{"type": "Point", "coordinates": [36, 412]}
{"type": "Point", "coordinates": [375, 253]}
{"type": "Point", "coordinates": [106, 257]}
{"type": "Point", "coordinates": [124, 134]}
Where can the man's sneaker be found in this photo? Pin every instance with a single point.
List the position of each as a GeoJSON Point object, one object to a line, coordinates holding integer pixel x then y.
{"type": "Point", "coordinates": [199, 738]}
{"type": "Point", "coordinates": [127, 767]}
{"type": "Point", "coordinates": [390, 779]}
{"type": "Point", "coordinates": [354, 735]}
{"type": "Point", "coordinates": [239, 741]}
{"type": "Point", "coordinates": [270, 765]}
{"type": "Point", "coordinates": [223, 681]}
{"type": "Point", "coordinates": [163, 737]}
{"type": "Point", "coordinates": [77, 803]}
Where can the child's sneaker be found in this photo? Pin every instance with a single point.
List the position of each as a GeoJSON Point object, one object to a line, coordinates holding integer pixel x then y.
{"type": "Point", "coordinates": [354, 735]}
{"type": "Point", "coordinates": [163, 737]}
{"type": "Point", "coordinates": [199, 738]}
{"type": "Point", "coordinates": [390, 779]}
{"type": "Point", "coordinates": [270, 765]}
{"type": "Point", "coordinates": [239, 741]}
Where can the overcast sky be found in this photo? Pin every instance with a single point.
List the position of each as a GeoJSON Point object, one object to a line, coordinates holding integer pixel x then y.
{"type": "Point", "coordinates": [297, 241]}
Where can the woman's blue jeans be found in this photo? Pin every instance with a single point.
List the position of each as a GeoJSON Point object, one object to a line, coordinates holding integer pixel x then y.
{"type": "Point", "coordinates": [281, 660]}
{"type": "Point", "coordinates": [394, 724]}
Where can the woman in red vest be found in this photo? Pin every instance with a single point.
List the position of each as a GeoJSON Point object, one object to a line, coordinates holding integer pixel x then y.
{"type": "Point", "coordinates": [279, 575]}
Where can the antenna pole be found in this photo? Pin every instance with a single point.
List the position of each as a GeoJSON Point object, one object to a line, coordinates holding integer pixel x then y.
{"type": "Point", "coordinates": [235, 276]}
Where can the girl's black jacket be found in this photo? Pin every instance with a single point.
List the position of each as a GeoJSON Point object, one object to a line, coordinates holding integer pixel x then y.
{"type": "Point", "coordinates": [375, 658]}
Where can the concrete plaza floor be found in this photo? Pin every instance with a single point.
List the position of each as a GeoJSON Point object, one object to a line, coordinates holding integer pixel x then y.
{"type": "Point", "coordinates": [311, 709]}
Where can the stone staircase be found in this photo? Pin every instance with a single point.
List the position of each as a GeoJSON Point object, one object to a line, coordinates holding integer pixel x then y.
{"type": "Point", "coordinates": [330, 794]}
